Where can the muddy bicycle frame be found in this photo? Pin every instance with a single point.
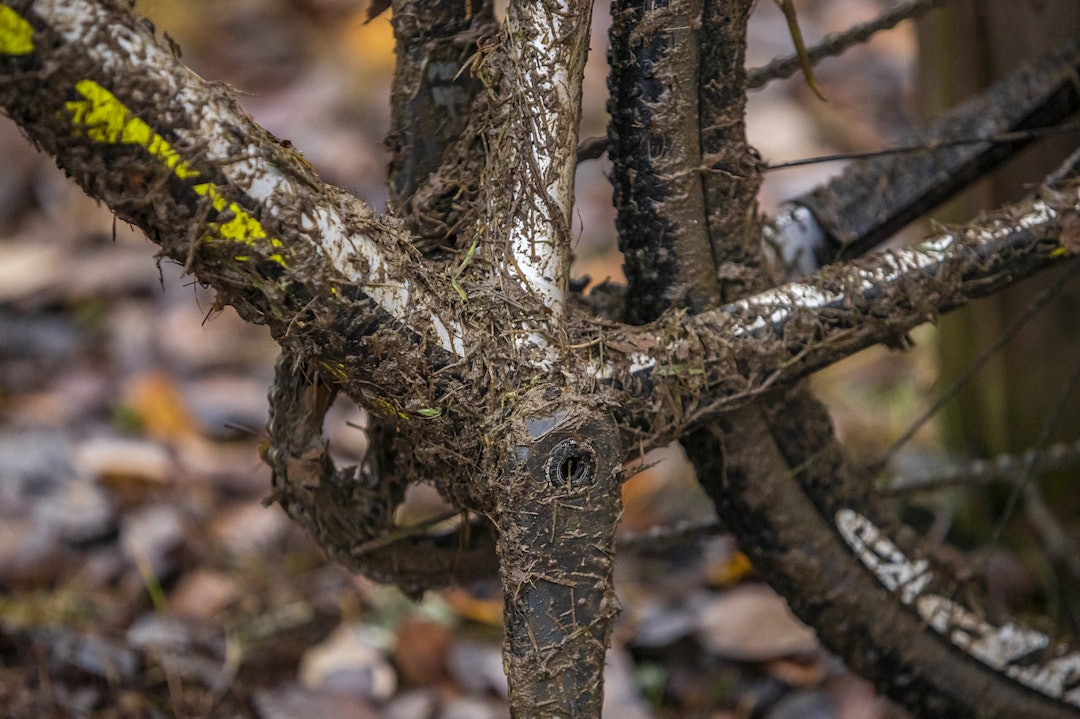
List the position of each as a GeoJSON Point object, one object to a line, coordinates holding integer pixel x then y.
{"type": "Point", "coordinates": [483, 374]}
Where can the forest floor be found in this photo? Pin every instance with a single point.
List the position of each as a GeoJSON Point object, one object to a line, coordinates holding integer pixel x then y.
{"type": "Point", "coordinates": [140, 573]}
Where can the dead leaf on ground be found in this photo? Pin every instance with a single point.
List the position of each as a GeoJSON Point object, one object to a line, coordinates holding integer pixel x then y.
{"type": "Point", "coordinates": [117, 460]}
{"type": "Point", "coordinates": [160, 408]}
{"type": "Point", "coordinates": [752, 623]}
{"type": "Point", "coordinates": [202, 594]}
{"type": "Point", "coordinates": [421, 649]}
{"type": "Point", "coordinates": [351, 661]}
{"type": "Point", "coordinates": [483, 610]}
{"type": "Point", "coordinates": [293, 700]}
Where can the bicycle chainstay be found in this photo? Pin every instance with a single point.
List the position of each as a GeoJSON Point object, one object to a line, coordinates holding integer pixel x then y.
{"type": "Point", "coordinates": [349, 511]}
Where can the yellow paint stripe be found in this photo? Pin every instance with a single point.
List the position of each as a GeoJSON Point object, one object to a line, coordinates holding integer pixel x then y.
{"type": "Point", "coordinates": [103, 118]}
{"type": "Point", "coordinates": [242, 227]}
{"type": "Point", "coordinates": [16, 34]}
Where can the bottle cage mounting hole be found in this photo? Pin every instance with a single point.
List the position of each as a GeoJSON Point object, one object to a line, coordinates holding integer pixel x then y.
{"type": "Point", "coordinates": [571, 463]}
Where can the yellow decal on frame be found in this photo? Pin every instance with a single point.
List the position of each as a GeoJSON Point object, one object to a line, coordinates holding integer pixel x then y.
{"type": "Point", "coordinates": [16, 34]}
{"type": "Point", "coordinates": [104, 118]}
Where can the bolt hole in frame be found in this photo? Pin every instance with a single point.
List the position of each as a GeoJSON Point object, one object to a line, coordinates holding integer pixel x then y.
{"type": "Point", "coordinates": [570, 464]}
{"type": "Point", "coordinates": [872, 544]}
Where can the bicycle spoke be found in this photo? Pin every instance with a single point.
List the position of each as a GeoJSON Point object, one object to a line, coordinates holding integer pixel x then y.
{"type": "Point", "coordinates": [1025, 487]}
{"type": "Point", "coordinates": [1015, 326]}
{"type": "Point", "coordinates": [839, 43]}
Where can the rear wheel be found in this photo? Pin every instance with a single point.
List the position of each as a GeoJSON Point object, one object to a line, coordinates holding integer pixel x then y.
{"type": "Point", "coordinates": [906, 615]}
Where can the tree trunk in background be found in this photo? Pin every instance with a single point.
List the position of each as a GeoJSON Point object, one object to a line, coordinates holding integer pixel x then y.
{"type": "Point", "coordinates": [962, 49]}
